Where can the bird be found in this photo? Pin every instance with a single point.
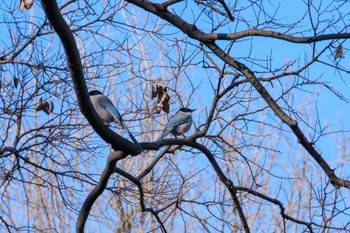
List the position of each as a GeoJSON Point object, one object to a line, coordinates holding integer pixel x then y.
{"type": "Point", "coordinates": [179, 124]}
{"type": "Point", "coordinates": [109, 113]}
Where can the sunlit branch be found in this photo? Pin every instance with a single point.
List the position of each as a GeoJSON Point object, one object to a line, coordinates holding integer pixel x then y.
{"type": "Point", "coordinates": [193, 32]}
{"type": "Point", "coordinates": [274, 35]}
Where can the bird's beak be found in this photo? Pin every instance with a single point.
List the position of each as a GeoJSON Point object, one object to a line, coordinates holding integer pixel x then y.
{"type": "Point", "coordinates": [192, 110]}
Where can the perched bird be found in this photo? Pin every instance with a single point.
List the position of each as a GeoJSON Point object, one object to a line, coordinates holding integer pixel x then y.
{"type": "Point", "coordinates": [108, 112]}
{"type": "Point", "coordinates": [179, 124]}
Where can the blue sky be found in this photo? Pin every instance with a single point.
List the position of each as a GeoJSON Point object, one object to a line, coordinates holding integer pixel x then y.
{"type": "Point", "coordinates": [331, 110]}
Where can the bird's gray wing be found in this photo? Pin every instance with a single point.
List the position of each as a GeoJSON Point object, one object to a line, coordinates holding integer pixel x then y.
{"type": "Point", "coordinates": [178, 119]}
{"type": "Point", "coordinates": [109, 107]}
{"type": "Point", "coordinates": [117, 117]}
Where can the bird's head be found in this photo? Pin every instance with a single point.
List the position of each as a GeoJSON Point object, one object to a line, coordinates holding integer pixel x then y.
{"type": "Point", "coordinates": [186, 110]}
{"type": "Point", "coordinates": [95, 92]}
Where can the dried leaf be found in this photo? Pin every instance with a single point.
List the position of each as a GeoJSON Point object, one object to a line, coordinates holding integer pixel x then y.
{"type": "Point", "coordinates": [40, 106]}
{"type": "Point", "coordinates": [28, 4]}
{"type": "Point", "coordinates": [154, 92]}
{"type": "Point", "coordinates": [46, 107]}
{"type": "Point", "coordinates": [163, 103]}
{"type": "Point", "coordinates": [43, 106]}
{"type": "Point", "coordinates": [160, 92]}
{"type": "Point", "coordinates": [21, 5]}
{"type": "Point", "coordinates": [161, 83]}
{"type": "Point", "coordinates": [15, 81]}
{"type": "Point", "coordinates": [25, 4]}
{"type": "Point", "coordinates": [52, 107]}
{"type": "Point", "coordinates": [157, 109]}
{"type": "Point", "coordinates": [166, 107]}
{"type": "Point", "coordinates": [338, 52]}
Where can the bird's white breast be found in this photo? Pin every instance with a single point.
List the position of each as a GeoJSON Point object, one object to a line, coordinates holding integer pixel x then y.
{"type": "Point", "coordinates": [96, 102]}
{"type": "Point", "coordinates": [183, 128]}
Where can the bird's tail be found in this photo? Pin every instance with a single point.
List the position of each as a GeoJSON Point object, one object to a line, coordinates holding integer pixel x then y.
{"type": "Point", "coordinates": [161, 136]}
{"type": "Point", "coordinates": [164, 134]}
{"type": "Point", "coordinates": [118, 119]}
{"type": "Point", "coordinates": [131, 136]}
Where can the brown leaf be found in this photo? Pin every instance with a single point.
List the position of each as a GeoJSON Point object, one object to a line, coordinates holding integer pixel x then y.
{"type": "Point", "coordinates": [163, 103]}
{"type": "Point", "coordinates": [25, 4]}
{"type": "Point", "coordinates": [157, 109]}
{"type": "Point", "coordinates": [154, 93]}
{"type": "Point", "coordinates": [160, 92]}
{"type": "Point", "coordinates": [52, 107]}
{"type": "Point", "coordinates": [43, 106]}
{"type": "Point", "coordinates": [161, 83]}
{"type": "Point", "coordinates": [15, 81]}
{"type": "Point", "coordinates": [338, 52]}
{"type": "Point", "coordinates": [21, 5]}
{"type": "Point", "coordinates": [46, 107]}
{"type": "Point", "coordinates": [40, 106]}
{"type": "Point", "coordinates": [166, 107]}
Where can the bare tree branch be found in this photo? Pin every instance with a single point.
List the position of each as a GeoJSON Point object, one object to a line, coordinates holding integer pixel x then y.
{"type": "Point", "coordinates": [98, 190]}
{"type": "Point", "coordinates": [74, 63]}
{"type": "Point", "coordinates": [263, 110]}
{"type": "Point", "coordinates": [195, 33]}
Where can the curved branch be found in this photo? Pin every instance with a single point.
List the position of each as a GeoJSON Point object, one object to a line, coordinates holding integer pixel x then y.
{"type": "Point", "coordinates": [227, 182]}
{"type": "Point", "coordinates": [276, 202]}
{"type": "Point", "coordinates": [193, 32]}
{"type": "Point", "coordinates": [98, 190]}
{"type": "Point", "coordinates": [153, 163]}
{"type": "Point", "coordinates": [137, 182]}
{"type": "Point", "coordinates": [76, 71]}
{"type": "Point", "coordinates": [336, 181]}
{"type": "Point", "coordinates": [275, 35]}
{"type": "Point", "coordinates": [228, 13]}
{"type": "Point", "coordinates": [5, 149]}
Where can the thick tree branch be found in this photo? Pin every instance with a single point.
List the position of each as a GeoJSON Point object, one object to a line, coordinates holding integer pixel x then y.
{"type": "Point", "coordinates": [336, 181]}
{"type": "Point", "coordinates": [227, 182]}
{"type": "Point", "coordinates": [193, 32]}
{"type": "Point", "coordinates": [275, 35]}
{"type": "Point", "coordinates": [98, 190]}
{"type": "Point", "coordinates": [76, 71]}
{"type": "Point", "coordinates": [169, 3]}
{"type": "Point", "coordinates": [48, 155]}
